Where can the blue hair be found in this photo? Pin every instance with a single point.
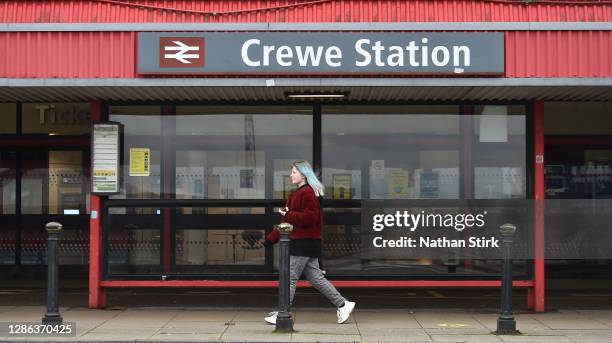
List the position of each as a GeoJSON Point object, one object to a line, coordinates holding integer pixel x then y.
{"type": "Point", "coordinates": [311, 179]}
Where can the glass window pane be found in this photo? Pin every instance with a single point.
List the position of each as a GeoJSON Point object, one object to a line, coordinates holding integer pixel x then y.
{"type": "Point", "coordinates": [34, 180]}
{"type": "Point", "coordinates": [7, 182]}
{"type": "Point", "coordinates": [239, 152]}
{"type": "Point", "coordinates": [142, 130]}
{"type": "Point", "coordinates": [56, 118]}
{"type": "Point", "coordinates": [52, 182]}
{"type": "Point", "coordinates": [66, 183]}
{"type": "Point", "coordinates": [8, 229]}
{"type": "Point", "coordinates": [8, 118]}
{"type": "Point", "coordinates": [424, 152]}
{"type": "Point", "coordinates": [343, 255]}
{"type": "Point", "coordinates": [134, 241]}
{"type": "Point", "coordinates": [499, 152]}
{"type": "Point", "coordinates": [220, 247]}
{"type": "Point", "coordinates": [405, 151]}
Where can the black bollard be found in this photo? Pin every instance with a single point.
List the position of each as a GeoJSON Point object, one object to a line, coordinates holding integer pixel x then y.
{"type": "Point", "coordinates": [284, 320]}
{"type": "Point", "coordinates": [52, 316]}
{"type": "Point", "coordinates": [506, 324]}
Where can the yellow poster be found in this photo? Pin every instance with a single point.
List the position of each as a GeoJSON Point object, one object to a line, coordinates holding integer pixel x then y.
{"type": "Point", "coordinates": [398, 183]}
{"type": "Point", "coordinates": [342, 186]}
{"type": "Point", "coordinates": [140, 161]}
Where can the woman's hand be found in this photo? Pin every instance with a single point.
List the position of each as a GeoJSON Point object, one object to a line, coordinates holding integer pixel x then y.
{"type": "Point", "coordinates": [283, 211]}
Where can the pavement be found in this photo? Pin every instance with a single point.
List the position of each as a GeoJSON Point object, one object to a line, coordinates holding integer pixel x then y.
{"type": "Point", "coordinates": [318, 324]}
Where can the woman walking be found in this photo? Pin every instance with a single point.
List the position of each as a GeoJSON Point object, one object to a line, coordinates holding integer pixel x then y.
{"type": "Point", "coordinates": [303, 211]}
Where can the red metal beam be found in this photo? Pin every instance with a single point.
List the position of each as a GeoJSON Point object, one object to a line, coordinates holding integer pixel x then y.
{"type": "Point", "coordinates": [536, 298]}
{"type": "Point", "coordinates": [273, 284]}
{"type": "Point", "coordinates": [97, 295]}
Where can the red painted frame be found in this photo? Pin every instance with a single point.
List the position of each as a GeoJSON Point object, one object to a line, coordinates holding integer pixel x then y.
{"type": "Point", "coordinates": [343, 284]}
{"type": "Point", "coordinates": [97, 294]}
{"type": "Point", "coordinates": [536, 294]}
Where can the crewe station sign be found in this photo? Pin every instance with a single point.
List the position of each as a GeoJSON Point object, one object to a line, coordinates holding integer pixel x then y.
{"type": "Point", "coordinates": [434, 53]}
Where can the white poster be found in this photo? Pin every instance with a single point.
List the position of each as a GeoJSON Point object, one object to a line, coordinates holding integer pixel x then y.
{"type": "Point", "coordinates": [105, 158]}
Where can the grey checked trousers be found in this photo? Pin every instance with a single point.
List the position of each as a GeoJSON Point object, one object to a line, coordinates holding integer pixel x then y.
{"type": "Point", "coordinates": [310, 267]}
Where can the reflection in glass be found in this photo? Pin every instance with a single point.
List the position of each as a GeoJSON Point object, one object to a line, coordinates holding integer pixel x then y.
{"type": "Point", "coordinates": [7, 182]}
{"type": "Point", "coordinates": [424, 152]}
{"type": "Point", "coordinates": [343, 240]}
{"type": "Point", "coordinates": [56, 118]}
{"type": "Point", "coordinates": [52, 182]}
{"type": "Point", "coordinates": [142, 130]}
{"type": "Point", "coordinates": [8, 231]}
{"type": "Point", "coordinates": [66, 182]}
{"type": "Point", "coordinates": [134, 241]}
{"type": "Point", "coordinates": [225, 152]}
{"type": "Point", "coordinates": [220, 247]}
{"type": "Point", "coordinates": [407, 151]}
{"type": "Point", "coordinates": [34, 180]}
{"type": "Point", "coordinates": [499, 153]}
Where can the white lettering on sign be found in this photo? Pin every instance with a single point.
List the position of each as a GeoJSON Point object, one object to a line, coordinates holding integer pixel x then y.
{"type": "Point", "coordinates": [285, 55]}
{"type": "Point", "coordinates": [245, 53]}
{"type": "Point", "coordinates": [182, 50]}
{"type": "Point", "coordinates": [368, 53]}
{"type": "Point", "coordinates": [308, 54]}
{"type": "Point", "coordinates": [394, 56]}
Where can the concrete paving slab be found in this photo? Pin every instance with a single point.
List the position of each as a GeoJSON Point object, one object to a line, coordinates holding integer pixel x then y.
{"type": "Point", "coordinates": [400, 320]}
{"type": "Point", "coordinates": [561, 321]}
{"type": "Point", "coordinates": [297, 337]}
{"type": "Point", "coordinates": [128, 332]}
{"type": "Point", "coordinates": [432, 320]}
{"type": "Point", "coordinates": [394, 340]}
{"type": "Point", "coordinates": [243, 332]}
{"type": "Point", "coordinates": [205, 316]}
{"type": "Point", "coordinates": [334, 329]}
{"type": "Point", "coordinates": [250, 316]}
{"type": "Point", "coordinates": [46, 339]}
{"type": "Point", "coordinates": [602, 316]}
{"type": "Point", "coordinates": [458, 331]}
{"type": "Point", "coordinates": [192, 330]}
{"type": "Point", "coordinates": [588, 336]}
{"type": "Point", "coordinates": [92, 336]}
{"type": "Point", "coordinates": [535, 339]}
{"type": "Point", "coordinates": [524, 323]}
{"type": "Point", "coordinates": [208, 326]}
{"type": "Point", "coordinates": [466, 338]}
{"type": "Point", "coordinates": [127, 325]}
{"type": "Point", "coordinates": [321, 316]}
{"type": "Point", "coordinates": [393, 334]}
{"type": "Point", "coordinates": [179, 337]}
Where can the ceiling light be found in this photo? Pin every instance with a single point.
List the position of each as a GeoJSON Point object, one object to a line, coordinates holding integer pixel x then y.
{"type": "Point", "coordinates": [316, 95]}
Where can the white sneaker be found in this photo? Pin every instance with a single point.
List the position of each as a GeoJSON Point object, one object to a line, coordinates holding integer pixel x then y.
{"type": "Point", "coordinates": [271, 318]}
{"type": "Point", "coordinates": [345, 311]}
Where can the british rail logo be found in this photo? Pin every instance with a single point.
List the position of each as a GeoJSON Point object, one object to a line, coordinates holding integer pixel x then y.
{"type": "Point", "coordinates": [181, 52]}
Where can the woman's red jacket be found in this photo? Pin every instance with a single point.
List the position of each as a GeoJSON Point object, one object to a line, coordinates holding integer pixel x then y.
{"type": "Point", "coordinates": [304, 214]}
